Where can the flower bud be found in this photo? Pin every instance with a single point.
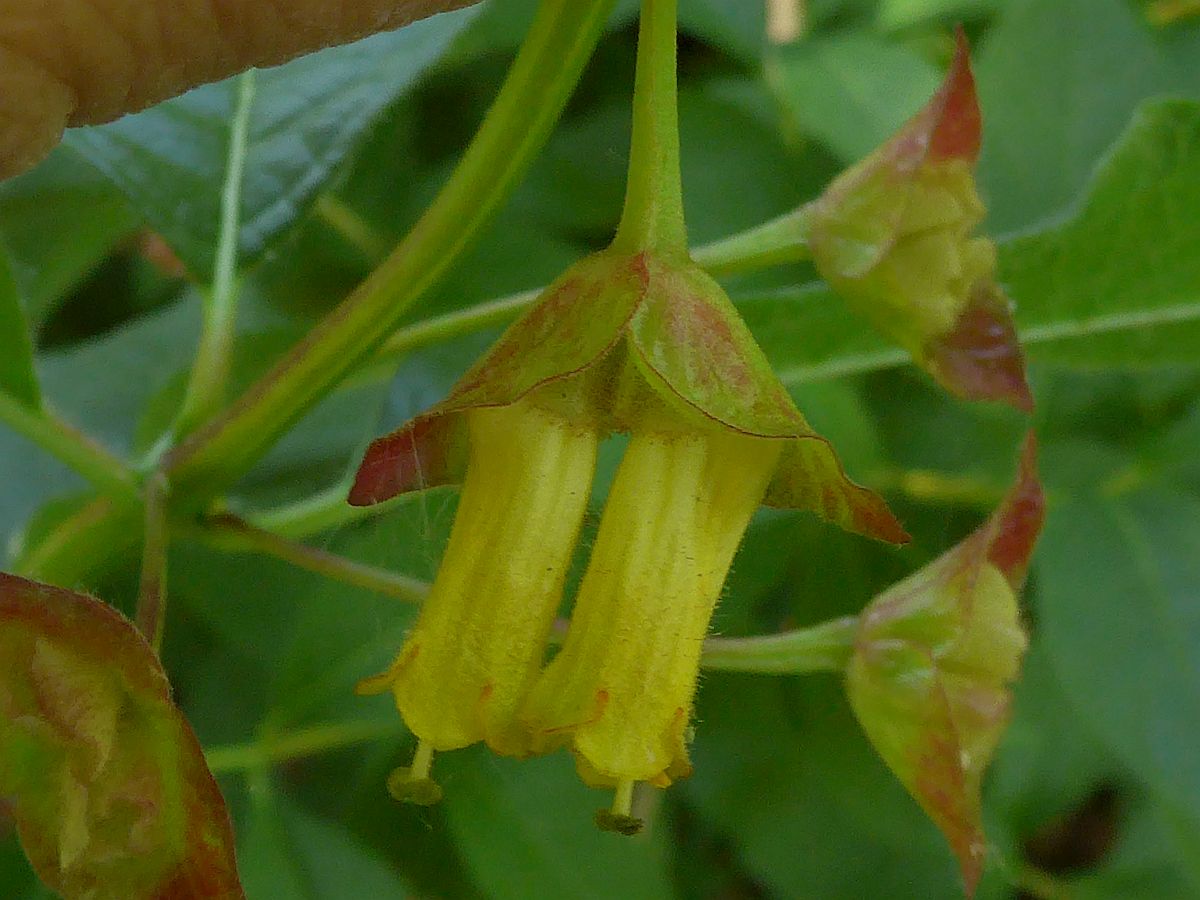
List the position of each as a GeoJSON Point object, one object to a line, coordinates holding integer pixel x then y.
{"type": "Point", "coordinates": [894, 235]}
{"type": "Point", "coordinates": [933, 661]}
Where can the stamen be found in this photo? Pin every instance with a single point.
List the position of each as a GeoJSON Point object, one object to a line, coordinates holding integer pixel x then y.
{"type": "Point", "coordinates": [619, 818]}
{"type": "Point", "coordinates": [413, 784]}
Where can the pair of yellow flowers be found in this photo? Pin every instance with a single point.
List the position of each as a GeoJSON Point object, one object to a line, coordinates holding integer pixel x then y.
{"type": "Point", "coordinates": [650, 345]}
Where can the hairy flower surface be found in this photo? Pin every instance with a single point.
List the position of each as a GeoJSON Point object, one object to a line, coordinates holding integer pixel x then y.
{"type": "Point", "coordinates": [895, 236]}
{"type": "Point", "coordinates": [482, 632]}
{"type": "Point", "coordinates": [620, 691]}
{"type": "Point", "coordinates": [623, 342]}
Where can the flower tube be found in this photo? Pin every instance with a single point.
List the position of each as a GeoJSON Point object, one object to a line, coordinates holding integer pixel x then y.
{"type": "Point", "coordinates": [481, 636]}
{"type": "Point", "coordinates": [620, 691]}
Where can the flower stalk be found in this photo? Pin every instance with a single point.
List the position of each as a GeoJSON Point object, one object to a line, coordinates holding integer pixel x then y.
{"type": "Point", "coordinates": [653, 215]}
{"type": "Point", "coordinates": [635, 339]}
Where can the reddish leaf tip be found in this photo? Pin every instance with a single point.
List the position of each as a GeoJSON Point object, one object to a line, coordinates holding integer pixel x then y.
{"type": "Point", "coordinates": [422, 454]}
{"type": "Point", "coordinates": [1018, 522]}
{"type": "Point", "coordinates": [957, 125]}
{"type": "Point", "coordinates": [981, 357]}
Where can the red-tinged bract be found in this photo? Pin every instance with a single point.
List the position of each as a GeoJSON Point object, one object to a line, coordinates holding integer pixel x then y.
{"type": "Point", "coordinates": [894, 236]}
{"type": "Point", "coordinates": [933, 661]}
{"type": "Point", "coordinates": [105, 779]}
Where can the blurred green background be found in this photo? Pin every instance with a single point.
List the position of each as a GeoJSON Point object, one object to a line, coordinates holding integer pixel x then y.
{"type": "Point", "coordinates": [1091, 170]}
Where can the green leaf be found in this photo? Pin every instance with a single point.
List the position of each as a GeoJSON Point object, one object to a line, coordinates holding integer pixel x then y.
{"type": "Point", "coordinates": [1053, 99]}
{"type": "Point", "coordinates": [734, 26]}
{"type": "Point", "coordinates": [287, 853]}
{"type": "Point", "coordinates": [524, 828]}
{"type": "Point", "coordinates": [1117, 580]}
{"type": "Point", "coordinates": [59, 221]}
{"type": "Point", "coordinates": [308, 115]}
{"type": "Point", "coordinates": [1119, 284]}
{"type": "Point", "coordinates": [17, 377]}
{"type": "Point", "coordinates": [850, 91]}
{"type": "Point", "coordinates": [895, 15]}
{"type": "Point", "coordinates": [784, 775]}
{"type": "Point", "coordinates": [108, 785]}
{"type": "Point", "coordinates": [1116, 284]}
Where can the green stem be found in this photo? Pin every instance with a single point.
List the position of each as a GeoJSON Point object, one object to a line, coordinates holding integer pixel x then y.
{"type": "Point", "coordinates": [653, 215]}
{"type": "Point", "coordinates": [233, 534]}
{"type": "Point", "coordinates": [209, 378]}
{"type": "Point", "coordinates": [826, 647]}
{"type": "Point", "coordinates": [352, 228]}
{"type": "Point", "coordinates": [774, 243]}
{"type": "Point", "coordinates": [274, 750]}
{"type": "Point", "coordinates": [152, 588]}
{"type": "Point", "coordinates": [70, 445]}
{"type": "Point", "coordinates": [779, 241]}
{"type": "Point", "coordinates": [560, 42]}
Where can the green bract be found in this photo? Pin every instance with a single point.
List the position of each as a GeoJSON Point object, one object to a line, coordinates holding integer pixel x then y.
{"type": "Point", "coordinates": [624, 343]}
{"type": "Point", "coordinates": [108, 786]}
{"type": "Point", "coordinates": [933, 661]}
{"type": "Point", "coordinates": [893, 235]}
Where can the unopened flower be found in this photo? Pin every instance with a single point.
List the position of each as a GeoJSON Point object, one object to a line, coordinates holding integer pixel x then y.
{"type": "Point", "coordinates": [894, 235]}
{"type": "Point", "coordinates": [933, 661]}
{"type": "Point", "coordinates": [622, 342]}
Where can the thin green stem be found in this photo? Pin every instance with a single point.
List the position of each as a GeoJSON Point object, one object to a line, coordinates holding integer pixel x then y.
{"type": "Point", "coordinates": [233, 534]}
{"type": "Point", "coordinates": [86, 545]}
{"type": "Point", "coordinates": [774, 243]}
{"type": "Point", "coordinates": [826, 647]}
{"type": "Point", "coordinates": [560, 42]}
{"type": "Point", "coordinates": [152, 588]}
{"type": "Point", "coordinates": [779, 241]}
{"type": "Point", "coordinates": [209, 377]}
{"type": "Point", "coordinates": [653, 214]}
{"type": "Point", "coordinates": [464, 321]}
{"type": "Point", "coordinates": [273, 750]}
{"type": "Point", "coordinates": [70, 445]}
{"type": "Point", "coordinates": [352, 228]}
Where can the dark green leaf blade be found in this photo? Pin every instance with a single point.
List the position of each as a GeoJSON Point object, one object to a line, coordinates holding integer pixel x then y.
{"type": "Point", "coordinates": [17, 377]}
{"type": "Point", "coordinates": [287, 853]}
{"type": "Point", "coordinates": [307, 116]}
{"type": "Point", "coordinates": [1054, 99]}
{"type": "Point", "coordinates": [525, 829]}
{"type": "Point", "coordinates": [1117, 581]}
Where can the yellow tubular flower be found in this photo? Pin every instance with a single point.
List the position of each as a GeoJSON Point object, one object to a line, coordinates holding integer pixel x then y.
{"type": "Point", "coordinates": [482, 633]}
{"type": "Point", "coordinates": [620, 691]}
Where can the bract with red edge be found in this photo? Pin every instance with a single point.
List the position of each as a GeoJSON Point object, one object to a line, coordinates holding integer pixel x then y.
{"type": "Point", "coordinates": [894, 236]}
{"type": "Point", "coordinates": [104, 777]}
{"type": "Point", "coordinates": [933, 661]}
{"type": "Point", "coordinates": [622, 343]}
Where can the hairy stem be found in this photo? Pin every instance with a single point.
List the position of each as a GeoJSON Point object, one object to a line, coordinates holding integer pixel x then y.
{"type": "Point", "coordinates": [773, 243]}
{"type": "Point", "coordinates": [826, 647]}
